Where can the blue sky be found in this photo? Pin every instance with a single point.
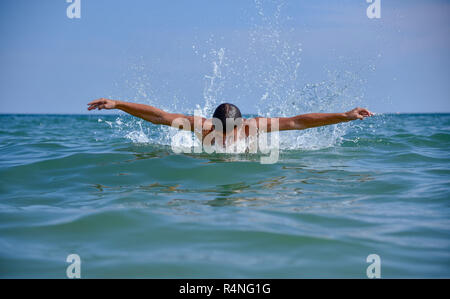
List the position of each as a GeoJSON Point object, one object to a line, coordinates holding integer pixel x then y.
{"type": "Point", "coordinates": [159, 52]}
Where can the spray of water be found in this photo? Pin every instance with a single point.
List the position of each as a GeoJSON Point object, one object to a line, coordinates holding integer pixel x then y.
{"type": "Point", "coordinates": [267, 70]}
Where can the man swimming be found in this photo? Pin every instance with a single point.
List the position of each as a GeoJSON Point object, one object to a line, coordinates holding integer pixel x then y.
{"type": "Point", "coordinates": [227, 122]}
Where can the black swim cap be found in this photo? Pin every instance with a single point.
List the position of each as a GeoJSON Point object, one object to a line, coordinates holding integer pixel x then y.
{"type": "Point", "coordinates": [224, 111]}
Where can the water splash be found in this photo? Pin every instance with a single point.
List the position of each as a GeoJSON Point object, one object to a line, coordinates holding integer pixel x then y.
{"type": "Point", "coordinates": [266, 70]}
{"type": "Point", "coordinates": [214, 84]}
{"type": "Point", "coordinates": [284, 93]}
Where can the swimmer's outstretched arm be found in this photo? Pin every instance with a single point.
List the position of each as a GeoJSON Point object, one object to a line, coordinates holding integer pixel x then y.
{"type": "Point", "coordinates": [311, 120]}
{"type": "Point", "coordinates": [146, 112]}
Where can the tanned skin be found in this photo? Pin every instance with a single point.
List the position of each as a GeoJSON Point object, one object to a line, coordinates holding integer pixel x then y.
{"type": "Point", "coordinates": [298, 122]}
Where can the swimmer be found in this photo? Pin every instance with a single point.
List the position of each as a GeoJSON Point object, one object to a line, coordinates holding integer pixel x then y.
{"type": "Point", "coordinates": [227, 119]}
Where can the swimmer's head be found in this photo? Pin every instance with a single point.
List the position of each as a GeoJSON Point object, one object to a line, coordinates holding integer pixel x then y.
{"type": "Point", "coordinates": [224, 111]}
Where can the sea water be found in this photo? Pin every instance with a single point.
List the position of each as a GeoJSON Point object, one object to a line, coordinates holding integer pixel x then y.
{"type": "Point", "coordinates": [130, 207]}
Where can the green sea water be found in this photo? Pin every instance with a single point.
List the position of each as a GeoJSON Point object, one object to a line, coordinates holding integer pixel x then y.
{"type": "Point", "coordinates": [111, 190]}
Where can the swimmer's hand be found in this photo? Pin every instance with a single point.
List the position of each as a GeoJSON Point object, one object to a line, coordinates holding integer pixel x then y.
{"type": "Point", "coordinates": [358, 113]}
{"type": "Point", "coordinates": [102, 103]}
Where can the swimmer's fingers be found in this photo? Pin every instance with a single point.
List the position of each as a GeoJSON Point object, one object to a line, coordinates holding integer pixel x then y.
{"type": "Point", "coordinates": [98, 101]}
{"type": "Point", "coordinates": [358, 113]}
{"type": "Point", "coordinates": [102, 104]}
{"type": "Point", "coordinates": [92, 107]}
{"type": "Point", "coordinates": [96, 104]}
{"type": "Point", "coordinates": [364, 112]}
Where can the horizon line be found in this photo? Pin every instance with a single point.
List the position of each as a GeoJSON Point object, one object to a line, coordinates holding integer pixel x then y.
{"type": "Point", "coordinates": [113, 114]}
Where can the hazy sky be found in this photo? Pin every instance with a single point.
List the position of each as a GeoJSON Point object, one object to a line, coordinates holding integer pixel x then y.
{"type": "Point", "coordinates": [161, 52]}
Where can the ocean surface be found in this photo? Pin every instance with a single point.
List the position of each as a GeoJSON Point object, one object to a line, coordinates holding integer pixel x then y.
{"type": "Point", "coordinates": [110, 189]}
